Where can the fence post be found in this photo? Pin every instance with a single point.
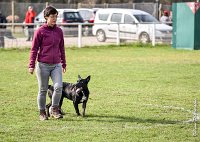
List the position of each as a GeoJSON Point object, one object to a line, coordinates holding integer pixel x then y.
{"type": "Point", "coordinates": [105, 5]}
{"type": "Point", "coordinates": [79, 35]}
{"type": "Point", "coordinates": [79, 5]}
{"type": "Point", "coordinates": [133, 5]}
{"type": "Point", "coordinates": [153, 34]}
{"type": "Point", "coordinates": [47, 4]}
{"type": "Point", "coordinates": [13, 14]}
{"type": "Point", "coordinates": [118, 34]}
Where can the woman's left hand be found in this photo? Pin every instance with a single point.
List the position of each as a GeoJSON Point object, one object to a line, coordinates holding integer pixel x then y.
{"type": "Point", "coordinates": [64, 70]}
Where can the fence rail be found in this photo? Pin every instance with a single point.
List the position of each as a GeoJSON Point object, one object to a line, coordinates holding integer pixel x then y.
{"type": "Point", "coordinates": [74, 35]}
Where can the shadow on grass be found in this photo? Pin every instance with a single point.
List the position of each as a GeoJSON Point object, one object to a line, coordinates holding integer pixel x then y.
{"type": "Point", "coordinates": [119, 118]}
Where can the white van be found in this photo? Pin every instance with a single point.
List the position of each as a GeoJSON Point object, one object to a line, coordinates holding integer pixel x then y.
{"type": "Point", "coordinates": [133, 24]}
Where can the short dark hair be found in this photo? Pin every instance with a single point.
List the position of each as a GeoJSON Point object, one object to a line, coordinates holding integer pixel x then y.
{"type": "Point", "coordinates": [50, 10]}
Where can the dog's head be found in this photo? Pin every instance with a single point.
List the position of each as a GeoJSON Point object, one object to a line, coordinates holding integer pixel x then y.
{"type": "Point", "coordinates": [82, 85]}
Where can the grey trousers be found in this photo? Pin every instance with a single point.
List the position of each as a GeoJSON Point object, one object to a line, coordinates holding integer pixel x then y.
{"type": "Point", "coordinates": [30, 32]}
{"type": "Point", "coordinates": [44, 72]}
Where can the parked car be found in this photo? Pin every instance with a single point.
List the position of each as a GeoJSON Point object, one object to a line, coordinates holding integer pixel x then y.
{"type": "Point", "coordinates": [64, 16]}
{"type": "Point", "coordinates": [87, 14]}
{"type": "Point", "coordinates": [133, 24]}
{"type": "Point", "coordinates": [39, 19]}
{"type": "Point", "coordinates": [88, 17]}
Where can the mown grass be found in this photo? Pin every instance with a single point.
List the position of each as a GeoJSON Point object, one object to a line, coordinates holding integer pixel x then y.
{"type": "Point", "coordinates": [137, 93]}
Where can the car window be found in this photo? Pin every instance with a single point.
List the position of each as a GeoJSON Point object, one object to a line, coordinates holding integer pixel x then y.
{"type": "Point", "coordinates": [103, 17]}
{"type": "Point", "coordinates": [116, 17]}
{"type": "Point", "coordinates": [145, 18]}
{"type": "Point", "coordinates": [128, 19]}
{"type": "Point", "coordinates": [71, 15]}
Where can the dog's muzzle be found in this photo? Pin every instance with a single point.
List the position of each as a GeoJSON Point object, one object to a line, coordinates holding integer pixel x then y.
{"type": "Point", "coordinates": [79, 90]}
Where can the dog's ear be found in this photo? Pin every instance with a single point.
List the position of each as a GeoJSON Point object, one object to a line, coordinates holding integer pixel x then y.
{"type": "Point", "coordinates": [79, 77]}
{"type": "Point", "coordinates": [88, 78]}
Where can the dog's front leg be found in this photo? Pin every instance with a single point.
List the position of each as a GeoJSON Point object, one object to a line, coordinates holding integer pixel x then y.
{"type": "Point", "coordinates": [60, 104]}
{"type": "Point", "coordinates": [61, 101]}
{"type": "Point", "coordinates": [47, 109]}
{"type": "Point", "coordinates": [76, 108]}
{"type": "Point", "coordinates": [83, 108]}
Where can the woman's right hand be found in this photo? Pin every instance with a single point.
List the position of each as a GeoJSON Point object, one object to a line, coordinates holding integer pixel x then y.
{"type": "Point", "coordinates": [31, 70]}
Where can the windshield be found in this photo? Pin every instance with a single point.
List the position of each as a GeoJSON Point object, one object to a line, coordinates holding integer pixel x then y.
{"type": "Point", "coordinates": [145, 18]}
{"type": "Point", "coordinates": [86, 15]}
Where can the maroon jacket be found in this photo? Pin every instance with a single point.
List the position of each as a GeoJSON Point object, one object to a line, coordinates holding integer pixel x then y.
{"type": "Point", "coordinates": [48, 46]}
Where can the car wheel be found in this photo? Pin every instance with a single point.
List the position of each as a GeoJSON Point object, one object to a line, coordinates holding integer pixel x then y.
{"type": "Point", "coordinates": [144, 38]}
{"type": "Point", "coordinates": [101, 36]}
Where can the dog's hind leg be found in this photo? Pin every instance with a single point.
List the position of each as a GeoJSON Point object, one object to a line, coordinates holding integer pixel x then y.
{"type": "Point", "coordinates": [76, 108]}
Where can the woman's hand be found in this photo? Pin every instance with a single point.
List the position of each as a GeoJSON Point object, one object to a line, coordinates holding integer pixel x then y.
{"type": "Point", "coordinates": [31, 70]}
{"type": "Point", "coordinates": [64, 70]}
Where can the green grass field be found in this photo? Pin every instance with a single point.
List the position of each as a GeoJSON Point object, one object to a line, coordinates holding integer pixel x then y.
{"type": "Point", "coordinates": [137, 94]}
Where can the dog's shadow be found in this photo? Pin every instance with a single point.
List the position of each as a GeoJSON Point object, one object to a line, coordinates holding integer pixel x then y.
{"type": "Point", "coordinates": [120, 118]}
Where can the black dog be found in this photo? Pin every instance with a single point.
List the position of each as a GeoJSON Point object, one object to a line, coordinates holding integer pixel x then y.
{"type": "Point", "coordinates": [78, 93]}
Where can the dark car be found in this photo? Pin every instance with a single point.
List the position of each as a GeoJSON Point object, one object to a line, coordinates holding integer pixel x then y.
{"type": "Point", "coordinates": [65, 16]}
{"type": "Point", "coordinates": [70, 17]}
{"type": "Point", "coordinates": [87, 14]}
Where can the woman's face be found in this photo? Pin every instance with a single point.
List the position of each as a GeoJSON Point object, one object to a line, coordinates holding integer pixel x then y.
{"type": "Point", "coordinates": [51, 20]}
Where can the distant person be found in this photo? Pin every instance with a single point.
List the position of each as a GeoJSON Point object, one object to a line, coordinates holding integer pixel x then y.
{"type": "Point", "coordinates": [48, 49]}
{"type": "Point", "coordinates": [165, 17]}
{"type": "Point", "coordinates": [170, 18]}
{"type": "Point", "coordinates": [2, 29]}
{"type": "Point", "coordinates": [29, 19]}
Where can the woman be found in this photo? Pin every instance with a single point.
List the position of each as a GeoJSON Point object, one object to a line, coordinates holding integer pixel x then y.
{"type": "Point", "coordinates": [48, 48]}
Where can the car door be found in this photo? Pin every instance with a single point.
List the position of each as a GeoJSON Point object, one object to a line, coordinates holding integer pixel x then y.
{"type": "Point", "coordinates": [112, 26]}
{"type": "Point", "coordinates": [129, 27]}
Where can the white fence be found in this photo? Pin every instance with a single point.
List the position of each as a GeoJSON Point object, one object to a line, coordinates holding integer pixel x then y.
{"type": "Point", "coordinates": [80, 34]}
{"type": "Point", "coordinates": [18, 9]}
